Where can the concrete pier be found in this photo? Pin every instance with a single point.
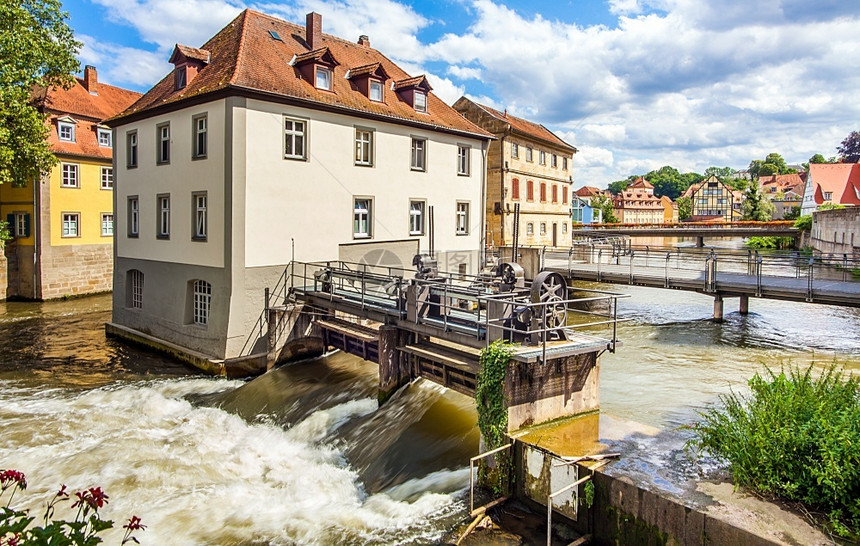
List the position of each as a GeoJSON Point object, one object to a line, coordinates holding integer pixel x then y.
{"type": "Point", "coordinates": [394, 370]}
{"type": "Point", "coordinates": [718, 308]}
{"type": "Point", "coordinates": [744, 305]}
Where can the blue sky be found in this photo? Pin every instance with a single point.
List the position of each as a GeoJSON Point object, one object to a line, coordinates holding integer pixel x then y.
{"type": "Point", "coordinates": [634, 84]}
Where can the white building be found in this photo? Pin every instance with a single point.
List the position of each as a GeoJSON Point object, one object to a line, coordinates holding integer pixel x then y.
{"type": "Point", "coordinates": [276, 142]}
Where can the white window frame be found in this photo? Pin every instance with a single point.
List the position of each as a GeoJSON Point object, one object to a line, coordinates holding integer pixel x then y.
{"type": "Point", "coordinates": [162, 141]}
{"type": "Point", "coordinates": [131, 158]}
{"type": "Point", "coordinates": [362, 217]}
{"type": "Point", "coordinates": [542, 157]}
{"type": "Point", "coordinates": [200, 126]}
{"type": "Point", "coordinates": [202, 302]}
{"type": "Point", "coordinates": [200, 216]}
{"type": "Point", "coordinates": [63, 127]}
{"type": "Point", "coordinates": [71, 224]}
{"type": "Point", "coordinates": [162, 201]}
{"type": "Point", "coordinates": [105, 138]}
{"type": "Point", "coordinates": [107, 224]}
{"type": "Point", "coordinates": [326, 80]}
{"type": "Point", "coordinates": [515, 150]}
{"type": "Point", "coordinates": [530, 229]}
{"type": "Point", "coordinates": [419, 154]}
{"type": "Point", "coordinates": [419, 101]}
{"type": "Point", "coordinates": [462, 226]}
{"type": "Point", "coordinates": [292, 136]}
{"type": "Point", "coordinates": [564, 228]}
{"type": "Point", "coordinates": [564, 163]}
{"type": "Point", "coordinates": [529, 155]}
{"type": "Point", "coordinates": [107, 178]}
{"type": "Point", "coordinates": [137, 283]}
{"type": "Point", "coordinates": [464, 160]}
{"type": "Point", "coordinates": [554, 161]}
{"type": "Point", "coordinates": [376, 91]}
{"type": "Point", "coordinates": [133, 216]}
{"type": "Point", "coordinates": [542, 228]}
{"type": "Point", "coordinates": [417, 208]}
{"type": "Point", "coordinates": [364, 147]}
{"type": "Point", "coordinates": [20, 227]}
{"type": "Point", "coordinates": [71, 175]}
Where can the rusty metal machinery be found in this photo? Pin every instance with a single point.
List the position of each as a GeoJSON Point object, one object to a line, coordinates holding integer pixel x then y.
{"type": "Point", "coordinates": [511, 276]}
{"type": "Point", "coordinates": [426, 267]}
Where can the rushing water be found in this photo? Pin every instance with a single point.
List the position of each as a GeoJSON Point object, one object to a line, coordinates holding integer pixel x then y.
{"type": "Point", "coordinates": [303, 454]}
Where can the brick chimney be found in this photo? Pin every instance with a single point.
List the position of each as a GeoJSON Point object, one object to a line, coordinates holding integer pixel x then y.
{"type": "Point", "coordinates": [364, 41]}
{"type": "Point", "coordinates": [313, 30]}
{"type": "Point", "coordinates": [91, 79]}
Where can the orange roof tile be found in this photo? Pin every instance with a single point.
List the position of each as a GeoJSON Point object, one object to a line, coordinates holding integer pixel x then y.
{"type": "Point", "coordinates": [528, 128]}
{"type": "Point", "coordinates": [190, 53]}
{"type": "Point", "coordinates": [842, 180]}
{"type": "Point", "coordinates": [247, 60]}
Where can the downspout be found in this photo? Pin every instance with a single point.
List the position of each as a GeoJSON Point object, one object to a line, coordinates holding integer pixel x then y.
{"type": "Point", "coordinates": [502, 169]}
{"type": "Point", "coordinates": [482, 252]}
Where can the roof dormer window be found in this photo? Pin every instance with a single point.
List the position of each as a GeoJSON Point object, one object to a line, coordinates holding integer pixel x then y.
{"type": "Point", "coordinates": [66, 131]}
{"type": "Point", "coordinates": [375, 90]}
{"type": "Point", "coordinates": [180, 77]}
{"type": "Point", "coordinates": [323, 78]}
{"type": "Point", "coordinates": [419, 102]}
{"type": "Point", "coordinates": [104, 138]}
{"type": "Point", "coordinates": [188, 62]}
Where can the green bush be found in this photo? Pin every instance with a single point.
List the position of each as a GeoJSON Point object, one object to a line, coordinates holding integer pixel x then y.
{"type": "Point", "coordinates": [769, 242]}
{"type": "Point", "coordinates": [804, 223]}
{"type": "Point", "coordinates": [796, 437]}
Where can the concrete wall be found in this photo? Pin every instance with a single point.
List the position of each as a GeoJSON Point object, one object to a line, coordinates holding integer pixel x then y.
{"type": "Point", "coordinates": [837, 231]}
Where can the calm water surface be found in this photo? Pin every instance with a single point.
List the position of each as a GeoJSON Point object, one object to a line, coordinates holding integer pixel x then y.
{"type": "Point", "coordinates": [302, 454]}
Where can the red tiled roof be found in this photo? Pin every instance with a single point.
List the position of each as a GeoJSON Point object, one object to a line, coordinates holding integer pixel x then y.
{"type": "Point", "coordinates": [190, 53]}
{"type": "Point", "coordinates": [87, 110]}
{"type": "Point", "coordinates": [590, 191]}
{"type": "Point", "coordinates": [840, 179]}
{"type": "Point", "coordinates": [316, 55]}
{"type": "Point", "coordinates": [368, 69]}
{"type": "Point", "coordinates": [641, 183]}
{"type": "Point", "coordinates": [245, 58]}
{"type": "Point", "coordinates": [529, 128]}
{"type": "Point", "coordinates": [417, 81]}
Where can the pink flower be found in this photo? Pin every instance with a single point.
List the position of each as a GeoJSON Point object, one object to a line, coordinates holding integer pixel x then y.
{"type": "Point", "coordinates": [9, 477]}
{"type": "Point", "coordinates": [134, 524]}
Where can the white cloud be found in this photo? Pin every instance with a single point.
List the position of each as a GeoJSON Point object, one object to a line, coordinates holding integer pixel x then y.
{"type": "Point", "coordinates": [123, 66]}
{"type": "Point", "coordinates": [465, 72]}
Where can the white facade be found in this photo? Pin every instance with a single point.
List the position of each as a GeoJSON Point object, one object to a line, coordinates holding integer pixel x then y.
{"type": "Point", "coordinates": [261, 207]}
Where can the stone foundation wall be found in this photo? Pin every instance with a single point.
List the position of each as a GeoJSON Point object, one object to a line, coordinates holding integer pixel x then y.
{"type": "Point", "coordinates": [4, 277]}
{"type": "Point", "coordinates": [837, 231]}
{"type": "Point", "coordinates": [19, 276]}
{"type": "Point", "coordinates": [76, 270]}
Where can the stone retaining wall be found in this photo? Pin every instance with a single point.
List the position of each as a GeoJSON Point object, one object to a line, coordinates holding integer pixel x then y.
{"type": "Point", "coordinates": [76, 270]}
{"type": "Point", "coordinates": [837, 231]}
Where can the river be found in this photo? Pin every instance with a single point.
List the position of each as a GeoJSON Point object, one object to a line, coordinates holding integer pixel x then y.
{"type": "Point", "coordinates": [303, 454]}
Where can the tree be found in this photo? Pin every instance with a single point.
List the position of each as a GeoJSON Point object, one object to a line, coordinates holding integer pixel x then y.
{"type": "Point", "coordinates": [757, 207]}
{"type": "Point", "coordinates": [817, 158]}
{"type": "Point", "coordinates": [685, 208]}
{"type": "Point", "coordinates": [849, 151]}
{"type": "Point", "coordinates": [767, 169]}
{"type": "Point", "coordinates": [754, 167]}
{"type": "Point", "coordinates": [792, 214]}
{"type": "Point", "coordinates": [37, 51]}
{"type": "Point", "coordinates": [776, 160]}
{"type": "Point", "coordinates": [605, 205]}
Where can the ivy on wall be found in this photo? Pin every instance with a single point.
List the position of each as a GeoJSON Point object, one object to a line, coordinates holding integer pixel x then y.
{"type": "Point", "coordinates": [492, 410]}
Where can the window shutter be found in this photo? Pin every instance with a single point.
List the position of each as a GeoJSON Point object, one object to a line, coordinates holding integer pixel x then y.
{"type": "Point", "coordinates": [10, 221]}
{"type": "Point", "coordinates": [26, 225]}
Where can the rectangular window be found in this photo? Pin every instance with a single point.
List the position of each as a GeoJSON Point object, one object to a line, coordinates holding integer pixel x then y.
{"type": "Point", "coordinates": [529, 154]}
{"type": "Point", "coordinates": [323, 78]}
{"type": "Point", "coordinates": [543, 228]}
{"type": "Point", "coordinates": [200, 124]}
{"type": "Point", "coordinates": [131, 149]}
{"type": "Point", "coordinates": [107, 178]}
{"type": "Point", "coordinates": [530, 229]}
{"type": "Point", "coordinates": [828, 196]}
{"type": "Point", "coordinates": [162, 133]}
{"type": "Point", "coordinates": [419, 154]}
{"type": "Point", "coordinates": [463, 160]}
{"type": "Point", "coordinates": [163, 220]}
{"type": "Point", "coordinates": [554, 161]}
{"type": "Point", "coordinates": [200, 203]}
{"type": "Point", "coordinates": [361, 218]}
{"type": "Point", "coordinates": [564, 228]}
{"type": "Point", "coordinates": [133, 216]}
{"type": "Point", "coordinates": [542, 157]}
{"type": "Point", "coordinates": [420, 101]}
{"type": "Point", "coordinates": [416, 218]}
{"type": "Point", "coordinates": [462, 218]}
{"type": "Point", "coordinates": [515, 150]}
{"type": "Point", "coordinates": [564, 163]}
{"type": "Point", "coordinates": [70, 175]}
{"type": "Point", "coordinates": [530, 191]}
{"type": "Point", "coordinates": [564, 195]}
{"type": "Point", "coordinates": [136, 288]}
{"type": "Point", "coordinates": [66, 131]}
{"type": "Point", "coordinates": [515, 189]}
{"type": "Point", "coordinates": [180, 77]}
{"type": "Point", "coordinates": [71, 224]}
{"type": "Point", "coordinates": [107, 224]}
{"type": "Point", "coordinates": [555, 193]}
{"type": "Point", "coordinates": [376, 90]}
{"type": "Point", "coordinates": [202, 301]}
{"type": "Point", "coordinates": [19, 224]}
{"type": "Point", "coordinates": [104, 138]}
{"type": "Point", "coordinates": [364, 147]}
{"type": "Point", "coordinates": [295, 136]}
{"type": "Point", "coordinates": [543, 192]}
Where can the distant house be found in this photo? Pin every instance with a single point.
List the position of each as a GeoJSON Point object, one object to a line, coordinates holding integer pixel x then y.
{"type": "Point", "coordinates": [637, 204]}
{"type": "Point", "coordinates": [834, 183]}
{"type": "Point", "coordinates": [583, 213]}
{"type": "Point", "coordinates": [670, 210]}
{"type": "Point", "coordinates": [528, 165]}
{"type": "Point", "coordinates": [713, 200]}
{"type": "Point", "coordinates": [785, 191]}
{"type": "Point", "coordinates": [274, 142]}
{"type": "Point", "coordinates": [63, 224]}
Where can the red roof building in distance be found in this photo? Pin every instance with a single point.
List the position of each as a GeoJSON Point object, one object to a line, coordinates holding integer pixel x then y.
{"type": "Point", "coordinates": [637, 204]}
{"type": "Point", "coordinates": [782, 183]}
{"type": "Point", "coordinates": [63, 228]}
{"type": "Point", "coordinates": [831, 183]}
{"type": "Point", "coordinates": [587, 192]}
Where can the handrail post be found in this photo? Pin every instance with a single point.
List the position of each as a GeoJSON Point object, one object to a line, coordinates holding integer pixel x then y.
{"type": "Point", "coordinates": [668, 256]}
{"type": "Point", "coordinates": [632, 257]}
{"type": "Point", "coordinates": [809, 278]}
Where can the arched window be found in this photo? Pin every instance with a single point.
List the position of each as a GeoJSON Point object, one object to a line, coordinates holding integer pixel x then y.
{"type": "Point", "coordinates": [134, 289]}
{"type": "Point", "coordinates": [201, 301]}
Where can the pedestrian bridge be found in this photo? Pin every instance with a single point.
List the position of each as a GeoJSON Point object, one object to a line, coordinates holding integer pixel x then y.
{"type": "Point", "coordinates": [699, 230]}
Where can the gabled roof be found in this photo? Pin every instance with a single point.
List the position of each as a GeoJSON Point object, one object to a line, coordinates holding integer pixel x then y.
{"type": "Point", "coordinates": [590, 191]}
{"type": "Point", "coordinates": [247, 61]}
{"type": "Point", "coordinates": [373, 69]}
{"type": "Point", "coordinates": [641, 183]}
{"type": "Point", "coordinates": [525, 127]}
{"type": "Point", "coordinates": [842, 180]}
{"type": "Point", "coordinates": [418, 81]}
{"type": "Point", "coordinates": [86, 110]}
{"type": "Point", "coordinates": [184, 52]}
{"type": "Point", "coordinates": [322, 55]}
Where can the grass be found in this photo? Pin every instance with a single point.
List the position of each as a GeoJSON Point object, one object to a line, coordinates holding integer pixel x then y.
{"type": "Point", "coordinates": [796, 437]}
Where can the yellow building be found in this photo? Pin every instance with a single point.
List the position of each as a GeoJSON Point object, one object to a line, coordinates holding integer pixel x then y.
{"type": "Point", "coordinates": [63, 224]}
